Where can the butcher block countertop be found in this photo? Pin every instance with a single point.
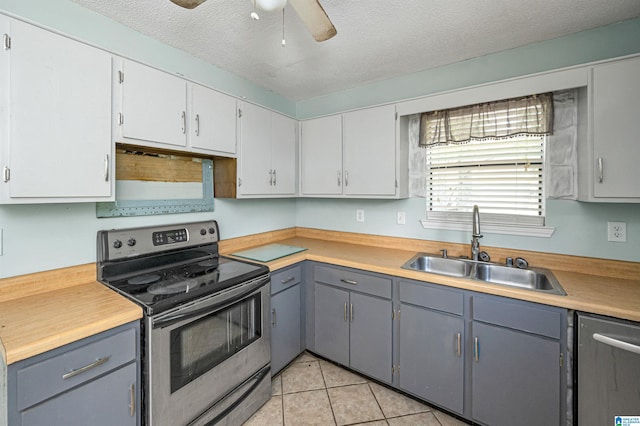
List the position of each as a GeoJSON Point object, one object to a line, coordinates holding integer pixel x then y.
{"type": "Point", "coordinates": [615, 294]}
{"type": "Point", "coordinates": [43, 311]}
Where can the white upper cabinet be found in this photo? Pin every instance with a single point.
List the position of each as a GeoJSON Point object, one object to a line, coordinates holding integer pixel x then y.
{"type": "Point", "coordinates": [355, 154]}
{"type": "Point", "coordinates": [212, 120]}
{"type": "Point", "coordinates": [154, 106]}
{"type": "Point", "coordinates": [321, 156]}
{"type": "Point", "coordinates": [370, 152]}
{"type": "Point", "coordinates": [609, 166]}
{"type": "Point", "coordinates": [267, 157]}
{"type": "Point", "coordinates": [162, 110]}
{"type": "Point", "coordinates": [55, 118]}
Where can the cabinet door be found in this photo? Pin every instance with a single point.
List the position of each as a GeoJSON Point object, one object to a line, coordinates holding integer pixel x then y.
{"type": "Point", "coordinates": [285, 327]}
{"type": "Point", "coordinates": [59, 108]}
{"type": "Point", "coordinates": [432, 356]}
{"type": "Point", "coordinates": [616, 91]}
{"type": "Point", "coordinates": [212, 120]}
{"type": "Point", "coordinates": [109, 400]}
{"type": "Point", "coordinates": [515, 378]}
{"type": "Point", "coordinates": [370, 151]}
{"type": "Point", "coordinates": [331, 323]}
{"type": "Point", "coordinates": [370, 336]}
{"type": "Point", "coordinates": [255, 151]}
{"type": "Point", "coordinates": [283, 154]}
{"type": "Point", "coordinates": [321, 156]}
{"type": "Point", "coordinates": [154, 104]}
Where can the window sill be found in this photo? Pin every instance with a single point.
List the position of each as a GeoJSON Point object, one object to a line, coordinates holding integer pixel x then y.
{"type": "Point", "coordinates": [491, 228]}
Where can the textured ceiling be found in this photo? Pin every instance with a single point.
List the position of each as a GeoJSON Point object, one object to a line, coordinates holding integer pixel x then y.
{"type": "Point", "coordinates": [377, 39]}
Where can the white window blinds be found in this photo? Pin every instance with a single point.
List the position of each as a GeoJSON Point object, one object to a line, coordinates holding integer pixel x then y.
{"type": "Point", "coordinates": [490, 155]}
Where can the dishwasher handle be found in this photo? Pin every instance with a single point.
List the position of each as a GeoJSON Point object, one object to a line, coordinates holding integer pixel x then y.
{"type": "Point", "coordinates": [629, 347]}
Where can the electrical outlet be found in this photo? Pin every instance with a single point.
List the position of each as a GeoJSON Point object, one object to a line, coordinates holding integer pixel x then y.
{"type": "Point", "coordinates": [617, 232]}
{"type": "Point", "coordinates": [402, 218]}
{"type": "Point", "coordinates": [359, 215]}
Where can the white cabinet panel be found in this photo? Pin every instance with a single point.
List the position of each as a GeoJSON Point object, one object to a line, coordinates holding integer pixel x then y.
{"type": "Point", "coordinates": [616, 142]}
{"type": "Point", "coordinates": [370, 151]}
{"type": "Point", "coordinates": [57, 104]}
{"type": "Point", "coordinates": [154, 104]}
{"type": "Point", "coordinates": [352, 155]}
{"type": "Point", "coordinates": [283, 154]}
{"type": "Point", "coordinates": [321, 156]}
{"type": "Point", "coordinates": [267, 159]}
{"type": "Point", "coordinates": [255, 150]}
{"type": "Point", "coordinates": [212, 120]}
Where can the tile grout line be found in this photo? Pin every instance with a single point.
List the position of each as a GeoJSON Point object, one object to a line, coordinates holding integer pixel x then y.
{"type": "Point", "coordinates": [326, 390]}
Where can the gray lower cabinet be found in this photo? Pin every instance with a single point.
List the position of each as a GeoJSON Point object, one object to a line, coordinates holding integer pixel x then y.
{"type": "Point", "coordinates": [353, 320]}
{"type": "Point", "coordinates": [431, 344]}
{"type": "Point", "coordinates": [431, 356]}
{"type": "Point", "coordinates": [518, 363]}
{"type": "Point", "coordinates": [286, 314]}
{"type": "Point", "coordinates": [95, 381]}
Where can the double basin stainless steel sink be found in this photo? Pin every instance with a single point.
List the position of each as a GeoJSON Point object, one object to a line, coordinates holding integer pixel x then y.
{"type": "Point", "coordinates": [536, 279]}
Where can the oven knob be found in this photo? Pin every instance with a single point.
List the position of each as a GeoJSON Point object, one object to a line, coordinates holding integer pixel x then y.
{"type": "Point", "coordinates": [117, 244]}
{"type": "Point", "coordinates": [212, 230]}
{"type": "Point", "coordinates": [131, 242]}
{"type": "Point", "coordinates": [203, 231]}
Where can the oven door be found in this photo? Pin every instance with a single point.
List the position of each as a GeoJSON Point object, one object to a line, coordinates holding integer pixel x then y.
{"type": "Point", "coordinates": [198, 354]}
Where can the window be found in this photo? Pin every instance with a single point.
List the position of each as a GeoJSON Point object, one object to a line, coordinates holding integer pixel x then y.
{"type": "Point", "coordinates": [490, 155]}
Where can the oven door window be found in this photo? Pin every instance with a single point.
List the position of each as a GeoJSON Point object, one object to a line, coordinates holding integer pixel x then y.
{"type": "Point", "coordinates": [200, 345]}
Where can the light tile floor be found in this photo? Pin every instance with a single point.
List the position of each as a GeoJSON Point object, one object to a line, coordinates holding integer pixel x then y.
{"type": "Point", "coordinates": [312, 391]}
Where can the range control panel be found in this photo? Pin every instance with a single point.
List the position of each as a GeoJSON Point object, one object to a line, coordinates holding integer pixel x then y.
{"type": "Point", "coordinates": [124, 243]}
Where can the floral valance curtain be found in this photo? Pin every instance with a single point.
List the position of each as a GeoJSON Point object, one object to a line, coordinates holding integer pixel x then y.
{"type": "Point", "coordinates": [531, 115]}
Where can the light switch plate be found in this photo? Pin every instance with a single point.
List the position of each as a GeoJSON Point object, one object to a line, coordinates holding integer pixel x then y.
{"type": "Point", "coordinates": [402, 218]}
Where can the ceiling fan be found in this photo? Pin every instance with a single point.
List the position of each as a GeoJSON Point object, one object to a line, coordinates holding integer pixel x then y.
{"type": "Point", "coordinates": [310, 11]}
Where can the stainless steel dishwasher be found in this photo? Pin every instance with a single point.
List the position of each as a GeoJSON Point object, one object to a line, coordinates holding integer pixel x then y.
{"type": "Point", "coordinates": [608, 377]}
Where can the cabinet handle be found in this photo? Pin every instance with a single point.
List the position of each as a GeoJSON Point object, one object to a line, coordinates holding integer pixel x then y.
{"type": "Point", "coordinates": [346, 281]}
{"type": "Point", "coordinates": [351, 311]}
{"type": "Point", "coordinates": [476, 349]}
{"type": "Point", "coordinates": [345, 311]}
{"type": "Point", "coordinates": [339, 178]}
{"type": "Point", "coordinates": [274, 177]}
{"type": "Point", "coordinates": [87, 367]}
{"type": "Point", "coordinates": [625, 346]}
{"type": "Point", "coordinates": [197, 124]}
{"type": "Point", "coordinates": [132, 399]}
{"type": "Point", "coordinates": [600, 169]}
{"type": "Point", "coordinates": [106, 168]}
{"type": "Point", "coordinates": [273, 318]}
{"type": "Point", "coordinates": [346, 178]}
{"type": "Point", "coordinates": [184, 122]}
{"type": "Point", "coordinates": [270, 177]}
{"type": "Point", "coordinates": [287, 280]}
{"type": "Point", "coordinates": [458, 345]}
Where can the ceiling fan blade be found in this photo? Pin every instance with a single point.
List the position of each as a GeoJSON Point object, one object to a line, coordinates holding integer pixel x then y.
{"type": "Point", "coordinates": [315, 18]}
{"type": "Point", "coordinates": [188, 4]}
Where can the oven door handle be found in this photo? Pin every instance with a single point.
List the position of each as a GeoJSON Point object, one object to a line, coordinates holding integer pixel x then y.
{"type": "Point", "coordinates": [172, 319]}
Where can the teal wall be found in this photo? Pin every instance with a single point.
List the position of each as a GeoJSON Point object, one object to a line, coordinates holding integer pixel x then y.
{"type": "Point", "coordinates": [41, 237]}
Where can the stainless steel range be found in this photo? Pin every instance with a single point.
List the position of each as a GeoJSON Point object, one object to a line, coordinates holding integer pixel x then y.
{"type": "Point", "coordinates": [206, 356]}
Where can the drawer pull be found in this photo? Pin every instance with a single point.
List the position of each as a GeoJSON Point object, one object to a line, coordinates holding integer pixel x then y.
{"type": "Point", "coordinates": [132, 399]}
{"type": "Point", "coordinates": [287, 280]}
{"type": "Point", "coordinates": [346, 281]}
{"type": "Point", "coordinates": [87, 367]}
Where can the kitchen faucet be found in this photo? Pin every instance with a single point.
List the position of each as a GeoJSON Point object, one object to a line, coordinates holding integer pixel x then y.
{"type": "Point", "coordinates": [475, 234]}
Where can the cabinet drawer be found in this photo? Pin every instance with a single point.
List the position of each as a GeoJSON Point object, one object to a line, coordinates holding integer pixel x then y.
{"type": "Point", "coordinates": [46, 379]}
{"type": "Point", "coordinates": [522, 316]}
{"type": "Point", "coordinates": [351, 280]}
{"type": "Point", "coordinates": [286, 278]}
{"type": "Point", "coordinates": [432, 297]}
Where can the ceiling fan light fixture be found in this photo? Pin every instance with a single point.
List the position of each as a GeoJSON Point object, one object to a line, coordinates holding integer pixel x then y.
{"type": "Point", "coordinates": [271, 5]}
